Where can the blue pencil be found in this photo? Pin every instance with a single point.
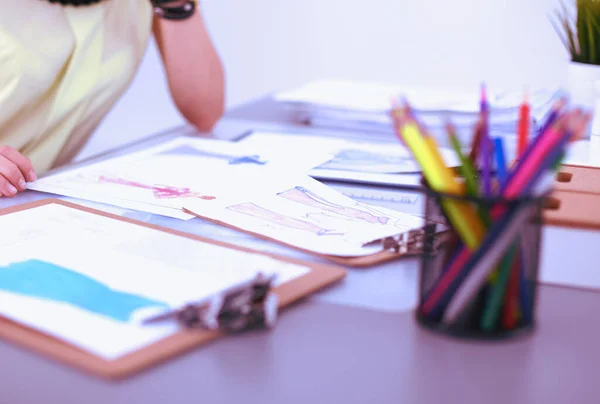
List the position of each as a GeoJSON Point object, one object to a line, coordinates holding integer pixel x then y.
{"type": "Point", "coordinates": [500, 159]}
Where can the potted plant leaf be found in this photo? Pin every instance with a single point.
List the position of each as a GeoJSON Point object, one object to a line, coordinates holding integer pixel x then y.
{"type": "Point", "coordinates": [579, 30]}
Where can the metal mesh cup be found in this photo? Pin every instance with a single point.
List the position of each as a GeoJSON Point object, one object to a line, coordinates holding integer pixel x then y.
{"type": "Point", "coordinates": [485, 290]}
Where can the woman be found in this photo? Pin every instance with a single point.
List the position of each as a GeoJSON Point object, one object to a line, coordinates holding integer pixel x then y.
{"type": "Point", "coordinates": [64, 63]}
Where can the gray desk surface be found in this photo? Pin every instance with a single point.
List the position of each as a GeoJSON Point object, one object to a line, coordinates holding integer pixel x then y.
{"type": "Point", "coordinates": [356, 342]}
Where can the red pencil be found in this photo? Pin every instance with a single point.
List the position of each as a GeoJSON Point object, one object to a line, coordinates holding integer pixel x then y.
{"type": "Point", "coordinates": [523, 127]}
{"type": "Point", "coordinates": [511, 297]}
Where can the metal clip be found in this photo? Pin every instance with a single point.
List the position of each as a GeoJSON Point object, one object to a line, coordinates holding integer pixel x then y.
{"type": "Point", "coordinates": [246, 306]}
{"type": "Point", "coordinates": [415, 241]}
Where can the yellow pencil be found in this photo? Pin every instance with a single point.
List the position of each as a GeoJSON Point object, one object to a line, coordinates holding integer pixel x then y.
{"type": "Point", "coordinates": [440, 178]}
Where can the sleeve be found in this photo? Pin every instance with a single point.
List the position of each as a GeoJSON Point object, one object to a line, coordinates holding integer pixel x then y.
{"type": "Point", "coordinates": [9, 76]}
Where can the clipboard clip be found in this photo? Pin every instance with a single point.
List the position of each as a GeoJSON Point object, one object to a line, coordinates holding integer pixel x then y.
{"type": "Point", "coordinates": [416, 241]}
{"type": "Point", "coordinates": [246, 306]}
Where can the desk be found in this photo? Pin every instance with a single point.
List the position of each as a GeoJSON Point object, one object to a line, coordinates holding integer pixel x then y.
{"type": "Point", "coordinates": [356, 342]}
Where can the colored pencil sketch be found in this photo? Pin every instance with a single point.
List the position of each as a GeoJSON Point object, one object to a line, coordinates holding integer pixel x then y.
{"type": "Point", "coordinates": [289, 222]}
{"type": "Point", "coordinates": [159, 191]}
{"type": "Point", "coordinates": [367, 161]}
{"type": "Point", "coordinates": [359, 212]}
{"type": "Point", "coordinates": [43, 280]}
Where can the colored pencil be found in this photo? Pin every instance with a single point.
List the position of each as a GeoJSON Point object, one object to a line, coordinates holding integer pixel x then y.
{"type": "Point", "coordinates": [555, 110]}
{"type": "Point", "coordinates": [485, 146]}
{"type": "Point", "coordinates": [476, 142]}
{"type": "Point", "coordinates": [496, 297]}
{"type": "Point", "coordinates": [467, 171]}
{"type": "Point", "coordinates": [523, 127]}
{"type": "Point", "coordinates": [511, 299]}
{"type": "Point", "coordinates": [500, 159]}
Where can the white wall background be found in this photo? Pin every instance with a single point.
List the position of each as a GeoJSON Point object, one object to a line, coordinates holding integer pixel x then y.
{"type": "Point", "coordinates": [268, 45]}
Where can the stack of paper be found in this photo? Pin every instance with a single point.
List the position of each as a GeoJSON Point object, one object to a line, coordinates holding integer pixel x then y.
{"type": "Point", "coordinates": [365, 106]}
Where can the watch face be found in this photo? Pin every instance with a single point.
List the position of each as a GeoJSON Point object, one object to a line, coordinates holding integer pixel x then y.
{"type": "Point", "coordinates": [271, 309]}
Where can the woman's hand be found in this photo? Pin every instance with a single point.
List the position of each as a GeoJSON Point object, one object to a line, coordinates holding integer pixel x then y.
{"type": "Point", "coordinates": [15, 171]}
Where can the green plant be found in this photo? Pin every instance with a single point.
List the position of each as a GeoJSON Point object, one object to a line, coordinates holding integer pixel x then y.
{"type": "Point", "coordinates": [580, 33]}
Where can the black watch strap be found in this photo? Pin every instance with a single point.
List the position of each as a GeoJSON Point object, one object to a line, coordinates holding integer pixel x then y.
{"type": "Point", "coordinates": [173, 9]}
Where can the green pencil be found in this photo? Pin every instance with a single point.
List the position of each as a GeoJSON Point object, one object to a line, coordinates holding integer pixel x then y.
{"type": "Point", "coordinates": [467, 170]}
{"type": "Point", "coordinates": [496, 297]}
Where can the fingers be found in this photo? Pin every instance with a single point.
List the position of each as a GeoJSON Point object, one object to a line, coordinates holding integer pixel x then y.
{"type": "Point", "coordinates": [11, 178]}
{"type": "Point", "coordinates": [22, 163]}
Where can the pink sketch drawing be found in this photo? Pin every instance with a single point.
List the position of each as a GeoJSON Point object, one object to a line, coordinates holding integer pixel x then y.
{"type": "Point", "coordinates": [159, 191]}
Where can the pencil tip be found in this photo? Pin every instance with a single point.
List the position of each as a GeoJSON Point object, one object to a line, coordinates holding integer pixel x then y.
{"type": "Point", "coordinates": [560, 103]}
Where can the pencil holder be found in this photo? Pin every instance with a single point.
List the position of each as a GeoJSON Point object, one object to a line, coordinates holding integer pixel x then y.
{"type": "Point", "coordinates": [480, 279]}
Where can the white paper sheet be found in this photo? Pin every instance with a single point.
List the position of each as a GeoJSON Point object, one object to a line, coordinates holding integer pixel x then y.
{"type": "Point", "coordinates": [156, 180]}
{"type": "Point", "coordinates": [381, 163]}
{"type": "Point", "coordinates": [304, 213]}
{"type": "Point", "coordinates": [88, 279]}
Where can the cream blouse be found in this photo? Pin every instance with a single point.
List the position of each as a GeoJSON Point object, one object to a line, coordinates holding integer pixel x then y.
{"type": "Point", "coordinates": [61, 70]}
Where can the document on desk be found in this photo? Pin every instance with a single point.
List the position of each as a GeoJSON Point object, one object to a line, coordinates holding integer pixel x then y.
{"type": "Point", "coordinates": [365, 105]}
{"type": "Point", "coordinates": [301, 212]}
{"type": "Point", "coordinates": [88, 279]}
{"type": "Point", "coordinates": [361, 162]}
{"type": "Point", "coordinates": [158, 179]}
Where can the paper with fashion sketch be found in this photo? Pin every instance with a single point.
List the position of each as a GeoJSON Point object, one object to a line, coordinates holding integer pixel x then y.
{"type": "Point", "coordinates": [158, 179]}
{"type": "Point", "coordinates": [368, 162]}
{"type": "Point", "coordinates": [89, 280]}
{"type": "Point", "coordinates": [300, 211]}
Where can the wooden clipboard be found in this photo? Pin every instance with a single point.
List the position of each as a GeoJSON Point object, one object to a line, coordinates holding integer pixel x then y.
{"type": "Point", "coordinates": [397, 248]}
{"type": "Point", "coordinates": [575, 201]}
{"type": "Point", "coordinates": [319, 277]}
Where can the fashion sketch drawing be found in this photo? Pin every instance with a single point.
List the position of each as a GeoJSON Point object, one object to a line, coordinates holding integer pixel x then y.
{"type": "Point", "coordinates": [307, 197]}
{"type": "Point", "coordinates": [289, 222]}
{"type": "Point", "coordinates": [159, 191]}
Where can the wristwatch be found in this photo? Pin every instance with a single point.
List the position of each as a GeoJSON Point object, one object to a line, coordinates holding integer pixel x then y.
{"type": "Point", "coordinates": [174, 9]}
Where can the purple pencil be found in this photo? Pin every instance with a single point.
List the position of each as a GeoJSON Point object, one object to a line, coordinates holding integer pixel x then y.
{"type": "Point", "coordinates": [485, 151]}
{"type": "Point", "coordinates": [557, 106]}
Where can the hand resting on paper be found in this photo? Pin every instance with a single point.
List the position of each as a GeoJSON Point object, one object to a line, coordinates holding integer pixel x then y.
{"type": "Point", "coordinates": [15, 171]}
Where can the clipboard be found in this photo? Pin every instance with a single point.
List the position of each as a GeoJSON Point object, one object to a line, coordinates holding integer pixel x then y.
{"type": "Point", "coordinates": [318, 277]}
{"type": "Point", "coordinates": [575, 201]}
{"type": "Point", "coordinates": [407, 244]}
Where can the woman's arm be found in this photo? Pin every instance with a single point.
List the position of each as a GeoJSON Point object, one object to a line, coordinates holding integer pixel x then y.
{"type": "Point", "coordinates": [194, 70]}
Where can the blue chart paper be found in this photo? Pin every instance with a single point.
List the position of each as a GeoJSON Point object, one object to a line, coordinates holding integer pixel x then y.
{"type": "Point", "coordinates": [43, 280]}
